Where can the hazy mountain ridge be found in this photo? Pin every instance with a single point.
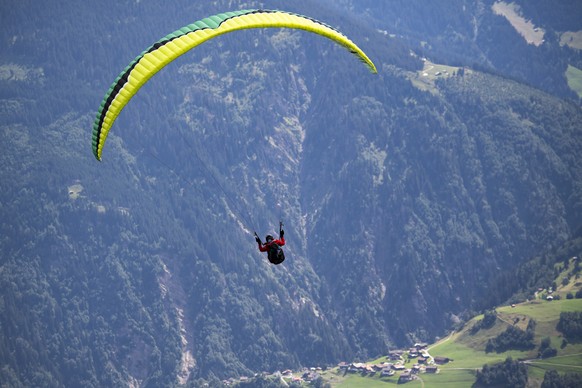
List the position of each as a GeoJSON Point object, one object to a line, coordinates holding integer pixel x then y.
{"type": "Point", "coordinates": [398, 203]}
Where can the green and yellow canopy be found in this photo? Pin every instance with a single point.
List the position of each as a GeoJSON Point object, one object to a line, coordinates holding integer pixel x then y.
{"type": "Point", "coordinates": [152, 60]}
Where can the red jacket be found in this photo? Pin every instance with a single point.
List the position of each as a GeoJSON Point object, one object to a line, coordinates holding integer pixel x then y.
{"type": "Point", "coordinates": [265, 246]}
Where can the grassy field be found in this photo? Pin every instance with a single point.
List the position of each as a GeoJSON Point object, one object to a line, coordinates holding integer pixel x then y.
{"type": "Point", "coordinates": [467, 351]}
{"type": "Point", "coordinates": [572, 39]}
{"type": "Point", "coordinates": [566, 363]}
{"type": "Point", "coordinates": [357, 381]}
{"type": "Point", "coordinates": [464, 356]}
{"type": "Point", "coordinates": [563, 364]}
{"type": "Point", "coordinates": [453, 378]}
{"type": "Point", "coordinates": [574, 76]}
{"type": "Point", "coordinates": [512, 12]}
{"type": "Point", "coordinates": [425, 78]}
{"type": "Point", "coordinates": [542, 310]}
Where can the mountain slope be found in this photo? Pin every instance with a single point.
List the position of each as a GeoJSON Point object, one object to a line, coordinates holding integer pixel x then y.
{"type": "Point", "coordinates": [402, 203]}
{"type": "Point", "coordinates": [530, 41]}
{"type": "Point", "coordinates": [457, 195]}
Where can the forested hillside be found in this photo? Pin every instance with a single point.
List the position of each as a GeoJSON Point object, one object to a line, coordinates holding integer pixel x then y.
{"type": "Point", "coordinates": [404, 195]}
{"type": "Point", "coordinates": [530, 41]}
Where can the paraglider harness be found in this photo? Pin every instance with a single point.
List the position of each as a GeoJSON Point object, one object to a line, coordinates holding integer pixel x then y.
{"type": "Point", "coordinates": [275, 253]}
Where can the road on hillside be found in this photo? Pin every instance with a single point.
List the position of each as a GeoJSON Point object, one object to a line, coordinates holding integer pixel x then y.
{"type": "Point", "coordinates": [534, 361]}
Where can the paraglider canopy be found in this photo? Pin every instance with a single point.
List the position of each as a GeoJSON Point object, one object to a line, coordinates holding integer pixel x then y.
{"type": "Point", "coordinates": [161, 53]}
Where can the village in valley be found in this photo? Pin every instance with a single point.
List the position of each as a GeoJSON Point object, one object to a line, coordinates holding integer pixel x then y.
{"type": "Point", "coordinates": [405, 365]}
{"type": "Point", "coordinates": [396, 364]}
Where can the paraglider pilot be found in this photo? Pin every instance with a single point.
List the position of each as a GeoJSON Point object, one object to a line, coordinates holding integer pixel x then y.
{"type": "Point", "coordinates": [273, 248]}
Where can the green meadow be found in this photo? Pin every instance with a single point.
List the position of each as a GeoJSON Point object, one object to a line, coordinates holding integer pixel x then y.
{"type": "Point", "coordinates": [574, 76]}
{"type": "Point", "coordinates": [466, 350]}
